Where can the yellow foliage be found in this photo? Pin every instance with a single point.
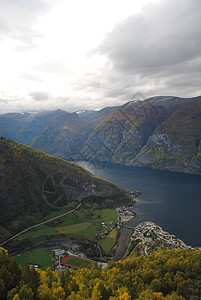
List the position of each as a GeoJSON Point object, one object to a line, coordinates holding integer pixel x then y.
{"type": "Point", "coordinates": [59, 293]}
{"type": "Point", "coordinates": [74, 296]}
{"type": "Point", "coordinates": [159, 296]}
{"type": "Point", "coordinates": [3, 251]}
{"type": "Point", "coordinates": [16, 297]}
{"type": "Point", "coordinates": [96, 294]}
{"type": "Point", "coordinates": [124, 296]}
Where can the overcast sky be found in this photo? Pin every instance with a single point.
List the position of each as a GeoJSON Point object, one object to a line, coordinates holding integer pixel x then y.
{"type": "Point", "coordinates": [88, 54]}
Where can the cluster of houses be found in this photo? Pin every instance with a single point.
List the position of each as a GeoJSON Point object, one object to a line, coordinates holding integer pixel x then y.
{"type": "Point", "coordinates": [148, 234]}
{"type": "Point", "coordinates": [108, 228]}
{"type": "Point", "coordinates": [124, 213]}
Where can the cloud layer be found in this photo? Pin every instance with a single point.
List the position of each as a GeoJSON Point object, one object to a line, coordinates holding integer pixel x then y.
{"type": "Point", "coordinates": [159, 50]}
{"type": "Point", "coordinates": [47, 60]}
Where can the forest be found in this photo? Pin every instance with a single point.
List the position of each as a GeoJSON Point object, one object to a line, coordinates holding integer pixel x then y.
{"type": "Point", "coordinates": [168, 274]}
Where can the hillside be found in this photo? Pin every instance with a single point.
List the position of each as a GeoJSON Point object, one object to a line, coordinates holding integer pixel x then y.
{"type": "Point", "coordinates": [96, 116]}
{"type": "Point", "coordinates": [122, 134]}
{"type": "Point", "coordinates": [33, 183]}
{"type": "Point", "coordinates": [11, 123]}
{"type": "Point", "coordinates": [56, 132]}
{"type": "Point", "coordinates": [171, 275]}
{"type": "Point", "coordinates": [160, 132]}
{"type": "Point", "coordinates": [33, 129]}
{"type": "Point", "coordinates": [63, 136]}
{"type": "Point", "coordinates": [175, 144]}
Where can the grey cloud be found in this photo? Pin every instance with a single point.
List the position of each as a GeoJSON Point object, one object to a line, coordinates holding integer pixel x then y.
{"type": "Point", "coordinates": [156, 51]}
{"type": "Point", "coordinates": [39, 96]}
{"type": "Point", "coordinates": [21, 16]}
{"type": "Point", "coordinates": [166, 33]}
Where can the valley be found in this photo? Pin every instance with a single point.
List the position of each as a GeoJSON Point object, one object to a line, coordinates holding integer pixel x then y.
{"type": "Point", "coordinates": [83, 232]}
{"type": "Point", "coordinates": [64, 218]}
{"type": "Point", "coordinates": [100, 150]}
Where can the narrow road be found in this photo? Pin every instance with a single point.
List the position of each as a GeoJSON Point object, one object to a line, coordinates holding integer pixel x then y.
{"type": "Point", "coordinates": [42, 223]}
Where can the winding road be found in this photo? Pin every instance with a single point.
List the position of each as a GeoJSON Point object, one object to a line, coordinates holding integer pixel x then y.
{"type": "Point", "coordinates": [42, 223]}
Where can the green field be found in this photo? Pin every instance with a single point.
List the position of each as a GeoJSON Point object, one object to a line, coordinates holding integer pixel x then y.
{"type": "Point", "coordinates": [81, 222]}
{"type": "Point", "coordinates": [78, 262]}
{"type": "Point", "coordinates": [38, 231]}
{"type": "Point", "coordinates": [113, 234]}
{"type": "Point", "coordinates": [71, 219]}
{"type": "Point", "coordinates": [39, 257]}
{"type": "Point", "coordinates": [76, 228]}
{"type": "Point", "coordinates": [86, 223]}
{"type": "Point", "coordinates": [107, 244]}
{"type": "Point", "coordinates": [105, 215]}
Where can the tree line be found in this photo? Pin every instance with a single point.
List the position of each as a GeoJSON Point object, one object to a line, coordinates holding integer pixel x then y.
{"type": "Point", "coordinates": [168, 274]}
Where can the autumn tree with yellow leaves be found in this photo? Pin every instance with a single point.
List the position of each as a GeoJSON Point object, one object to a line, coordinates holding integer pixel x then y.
{"type": "Point", "coordinates": [165, 275]}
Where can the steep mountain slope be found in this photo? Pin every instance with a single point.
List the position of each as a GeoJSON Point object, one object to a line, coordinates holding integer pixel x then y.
{"type": "Point", "coordinates": [28, 133]}
{"type": "Point", "coordinates": [122, 134]}
{"type": "Point", "coordinates": [176, 143]}
{"type": "Point", "coordinates": [32, 183]}
{"type": "Point", "coordinates": [11, 123]}
{"type": "Point", "coordinates": [55, 132]}
{"type": "Point", "coordinates": [63, 136]}
{"type": "Point", "coordinates": [95, 116]}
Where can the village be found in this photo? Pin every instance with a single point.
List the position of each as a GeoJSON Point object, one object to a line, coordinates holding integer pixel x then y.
{"type": "Point", "coordinates": [148, 236]}
{"type": "Point", "coordinates": [125, 214]}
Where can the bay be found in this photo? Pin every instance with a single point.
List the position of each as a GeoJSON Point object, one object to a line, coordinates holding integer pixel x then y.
{"type": "Point", "coordinates": [171, 200]}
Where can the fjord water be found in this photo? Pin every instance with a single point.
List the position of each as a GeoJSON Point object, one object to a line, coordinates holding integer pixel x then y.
{"type": "Point", "coordinates": [171, 200]}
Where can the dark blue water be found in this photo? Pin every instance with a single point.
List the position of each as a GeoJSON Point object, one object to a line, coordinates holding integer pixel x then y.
{"type": "Point", "coordinates": [171, 200]}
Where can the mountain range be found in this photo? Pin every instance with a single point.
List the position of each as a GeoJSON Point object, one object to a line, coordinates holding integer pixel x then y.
{"type": "Point", "coordinates": [160, 132]}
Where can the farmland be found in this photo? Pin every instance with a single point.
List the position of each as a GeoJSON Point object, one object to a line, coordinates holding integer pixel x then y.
{"type": "Point", "coordinates": [82, 223]}
{"type": "Point", "coordinates": [108, 242]}
{"type": "Point", "coordinates": [36, 257]}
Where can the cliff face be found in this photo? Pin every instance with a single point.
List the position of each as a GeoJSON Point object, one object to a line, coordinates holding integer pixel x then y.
{"type": "Point", "coordinates": [121, 135]}
{"type": "Point", "coordinates": [176, 143]}
{"type": "Point", "coordinates": [63, 136]}
{"type": "Point", "coordinates": [33, 183]}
